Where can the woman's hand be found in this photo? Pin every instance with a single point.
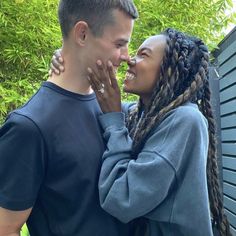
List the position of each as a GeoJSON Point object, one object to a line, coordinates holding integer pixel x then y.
{"type": "Point", "coordinates": [105, 86]}
{"type": "Point", "coordinates": [57, 63]}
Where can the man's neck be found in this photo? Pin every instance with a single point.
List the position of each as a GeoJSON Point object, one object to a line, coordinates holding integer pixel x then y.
{"type": "Point", "coordinates": [72, 84]}
{"type": "Point", "coordinates": [74, 78]}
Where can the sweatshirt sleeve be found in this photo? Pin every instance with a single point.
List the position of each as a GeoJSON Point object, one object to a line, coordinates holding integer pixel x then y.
{"type": "Point", "coordinates": [129, 186]}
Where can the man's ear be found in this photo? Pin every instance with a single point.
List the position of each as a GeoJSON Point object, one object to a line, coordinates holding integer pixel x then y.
{"type": "Point", "coordinates": [81, 30]}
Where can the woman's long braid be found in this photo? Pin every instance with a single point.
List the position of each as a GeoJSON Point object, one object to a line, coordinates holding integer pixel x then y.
{"type": "Point", "coordinates": [184, 77]}
{"type": "Point", "coordinates": [170, 93]}
{"type": "Point", "coordinates": [132, 119]}
{"type": "Point", "coordinates": [215, 196]}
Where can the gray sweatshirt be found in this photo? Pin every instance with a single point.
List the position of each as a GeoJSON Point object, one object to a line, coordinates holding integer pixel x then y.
{"type": "Point", "coordinates": [167, 182]}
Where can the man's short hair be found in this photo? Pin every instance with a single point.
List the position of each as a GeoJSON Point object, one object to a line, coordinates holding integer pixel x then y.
{"type": "Point", "coordinates": [96, 13]}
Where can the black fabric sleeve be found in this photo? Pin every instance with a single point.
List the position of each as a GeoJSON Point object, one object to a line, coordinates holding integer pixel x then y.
{"type": "Point", "coordinates": [22, 162]}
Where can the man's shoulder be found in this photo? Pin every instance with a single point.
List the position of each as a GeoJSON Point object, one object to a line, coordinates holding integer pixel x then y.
{"type": "Point", "coordinates": [17, 123]}
{"type": "Point", "coordinates": [31, 106]}
{"type": "Point", "coordinates": [42, 102]}
{"type": "Point", "coordinates": [32, 112]}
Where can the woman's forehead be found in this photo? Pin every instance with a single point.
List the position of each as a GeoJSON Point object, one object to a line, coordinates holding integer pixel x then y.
{"type": "Point", "coordinates": [154, 42]}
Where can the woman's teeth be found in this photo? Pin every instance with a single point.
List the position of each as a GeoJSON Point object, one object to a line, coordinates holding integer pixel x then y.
{"type": "Point", "coordinates": [130, 76]}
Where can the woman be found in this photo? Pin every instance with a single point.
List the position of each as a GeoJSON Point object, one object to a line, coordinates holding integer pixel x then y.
{"type": "Point", "coordinates": [161, 163]}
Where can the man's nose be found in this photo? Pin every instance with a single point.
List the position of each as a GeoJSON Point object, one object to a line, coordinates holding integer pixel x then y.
{"type": "Point", "coordinates": [125, 54]}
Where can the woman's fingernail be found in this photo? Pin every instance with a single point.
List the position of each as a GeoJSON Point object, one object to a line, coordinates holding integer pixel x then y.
{"type": "Point", "coordinates": [61, 68]}
{"type": "Point", "coordinates": [99, 62]}
{"type": "Point", "coordinates": [109, 63]}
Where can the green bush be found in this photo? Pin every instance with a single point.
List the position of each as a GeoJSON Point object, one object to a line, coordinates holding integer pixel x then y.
{"type": "Point", "coordinates": [29, 34]}
{"type": "Point", "coordinates": [24, 231]}
{"type": "Point", "coordinates": [205, 19]}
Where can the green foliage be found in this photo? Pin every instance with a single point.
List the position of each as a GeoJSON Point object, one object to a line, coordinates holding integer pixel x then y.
{"type": "Point", "coordinates": [29, 34]}
{"type": "Point", "coordinates": [205, 19]}
{"type": "Point", "coordinates": [14, 94]}
{"type": "Point", "coordinates": [24, 231]}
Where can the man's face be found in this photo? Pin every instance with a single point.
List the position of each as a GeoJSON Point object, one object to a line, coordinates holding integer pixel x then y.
{"type": "Point", "coordinates": [113, 44]}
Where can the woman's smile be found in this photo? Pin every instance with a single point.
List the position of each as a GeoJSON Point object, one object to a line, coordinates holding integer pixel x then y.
{"type": "Point", "coordinates": [130, 76]}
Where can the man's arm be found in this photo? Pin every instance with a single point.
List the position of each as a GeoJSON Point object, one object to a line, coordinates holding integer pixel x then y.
{"type": "Point", "coordinates": [21, 171]}
{"type": "Point", "coordinates": [11, 222]}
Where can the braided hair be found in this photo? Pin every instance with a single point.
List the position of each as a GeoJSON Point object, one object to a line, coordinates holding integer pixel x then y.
{"type": "Point", "coordinates": [184, 76]}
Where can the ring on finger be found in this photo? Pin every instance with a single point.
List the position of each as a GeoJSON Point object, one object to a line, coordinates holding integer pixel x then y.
{"type": "Point", "coordinates": [101, 90]}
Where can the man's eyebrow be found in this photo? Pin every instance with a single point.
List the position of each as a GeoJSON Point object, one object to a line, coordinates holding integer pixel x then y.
{"type": "Point", "coordinates": [123, 41]}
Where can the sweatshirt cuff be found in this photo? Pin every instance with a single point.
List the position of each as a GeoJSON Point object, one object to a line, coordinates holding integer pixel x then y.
{"type": "Point", "coordinates": [112, 119]}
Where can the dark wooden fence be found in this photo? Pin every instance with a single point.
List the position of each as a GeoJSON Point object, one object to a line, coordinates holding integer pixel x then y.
{"type": "Point", "coordinates": [226, 119]}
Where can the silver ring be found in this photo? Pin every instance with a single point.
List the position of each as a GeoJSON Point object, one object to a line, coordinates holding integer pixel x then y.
{"type": "Point", "coordinates": [101, 90]}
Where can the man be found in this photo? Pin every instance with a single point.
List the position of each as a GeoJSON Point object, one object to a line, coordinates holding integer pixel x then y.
{"type": "Point", "coordinates": [51, 148]}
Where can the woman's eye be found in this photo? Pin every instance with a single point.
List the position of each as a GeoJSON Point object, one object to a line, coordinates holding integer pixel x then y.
{"type": "Point", "coordinates": [143, 54]}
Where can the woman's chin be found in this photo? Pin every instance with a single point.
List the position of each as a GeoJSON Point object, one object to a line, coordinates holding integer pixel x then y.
{"type": "Point", "coordinates": [126, 86]}
{"type": "Point", "coordinates": [127, 89]}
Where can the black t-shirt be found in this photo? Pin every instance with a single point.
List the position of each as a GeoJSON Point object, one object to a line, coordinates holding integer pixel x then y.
{"type": "Point", "coordinates": [50, 155]}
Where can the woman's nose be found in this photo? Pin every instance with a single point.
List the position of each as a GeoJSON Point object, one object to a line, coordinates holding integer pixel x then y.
{"type": "Point", "coordinates": [132, 62]}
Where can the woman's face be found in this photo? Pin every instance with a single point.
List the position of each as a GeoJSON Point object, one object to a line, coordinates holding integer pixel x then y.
{"type": "Point", "coordinates": [144, 69]}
